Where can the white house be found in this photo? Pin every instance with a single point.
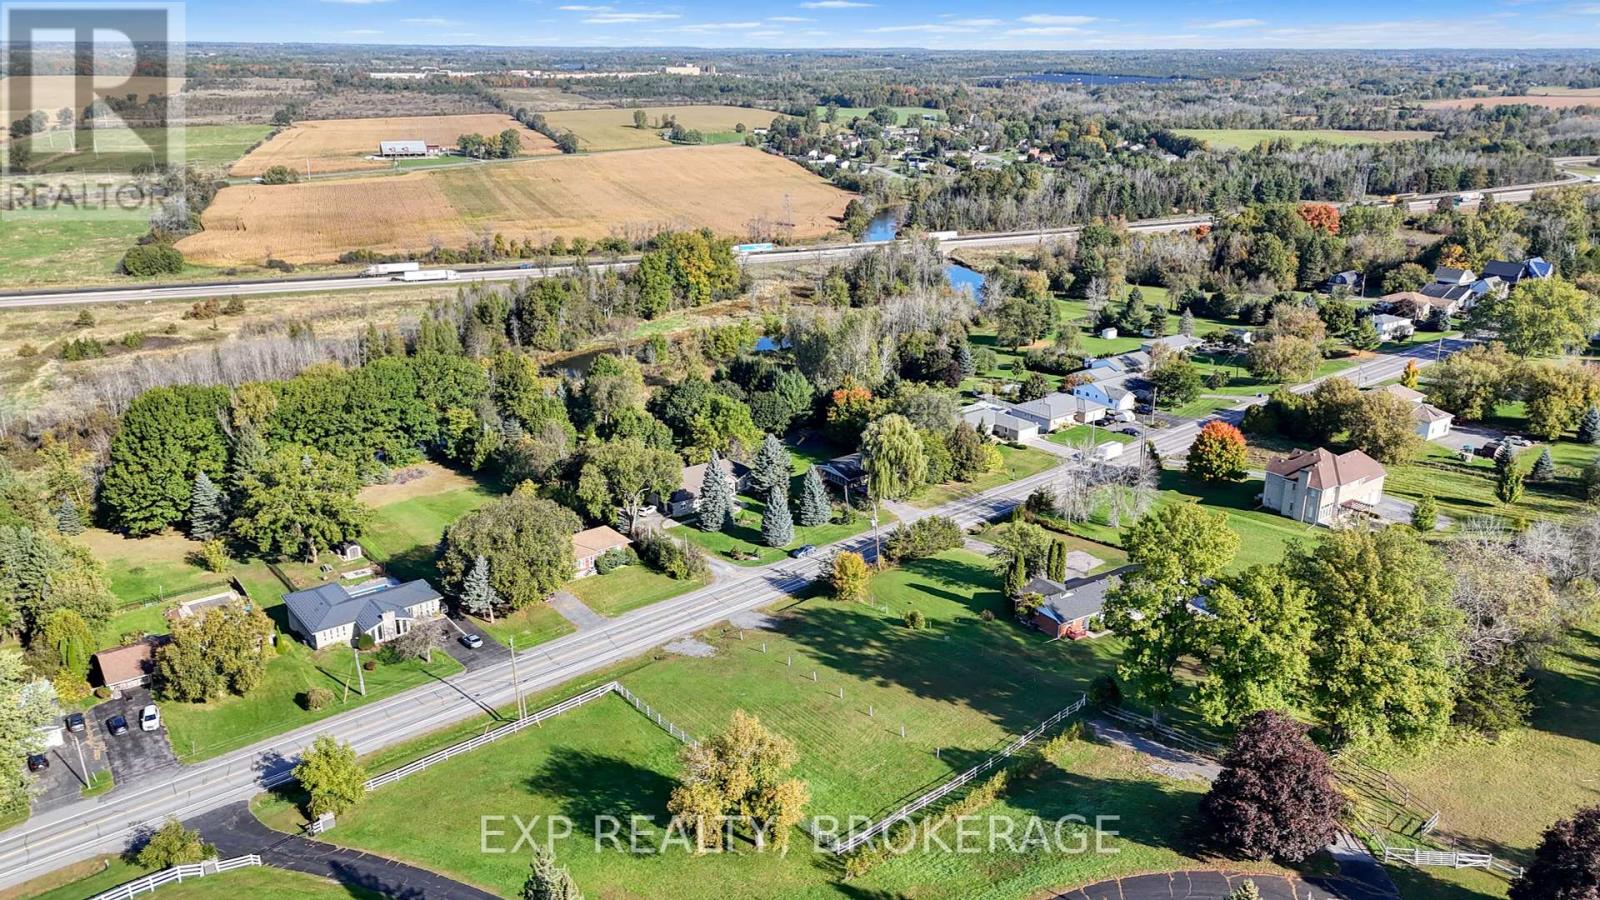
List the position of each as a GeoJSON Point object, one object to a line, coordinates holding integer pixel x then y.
{"type": "Point", "coordinates": [332, 614]}
{"type": "Point", "coordinates": [1320, 488]}
{"type": "Point", "coordinates": [1112, 396]}
{"type": "Point", "coordinates": [1432, 422]}
{"type": "Point", "coordinates": [998, 419]}
{"type": "Point", "coordinates": [1059, 410]}
{"type": "Point", "coordinates": [1393, 328]}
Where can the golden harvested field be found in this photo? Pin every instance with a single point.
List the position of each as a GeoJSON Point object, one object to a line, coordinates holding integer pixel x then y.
{"type": "Point", "coordinates": [630, 194]}
{"type": "Point", "coordinates": [1557, 98]}
{"type": "Point", "coordinates": [612, 129]}
{"type": "Point", "coordinates": [53, 92]}
{"type": "Point", "coordinates": [342, 145]}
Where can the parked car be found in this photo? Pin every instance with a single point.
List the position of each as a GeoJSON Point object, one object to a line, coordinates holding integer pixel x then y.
{"type": "Point", "coordinates": [471, 641]}
{"type": "Point", "coordinates": [803, 552]}
{"type": "Point", "coordinates": [117, 725]}
{"type": "Point", "coordinates": [1129, 430]}
{"type": "Point", "coordinates": [76, 723]}
{"type": "Point", "coordinates": [37, 762]}
{"type": "Point", "coordinates": [149, 718]}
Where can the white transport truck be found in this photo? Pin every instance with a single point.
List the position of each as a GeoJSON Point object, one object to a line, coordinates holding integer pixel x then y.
{"type": "Point", "coordinates": [391, 268]}
{"type": "Point", "coordinates": [429, 275]}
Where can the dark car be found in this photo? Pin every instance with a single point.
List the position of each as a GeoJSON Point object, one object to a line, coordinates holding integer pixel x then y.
{"type": "Point", "coordinates": [117, 725]}
{"type": "Point", "coordinates": [38, 761]}
{"type": "Point", "coordinates": [803, 552]}
{"type": "Point", "coordinates": [1131, 429]}
{"type": "Point", "coordinates": [471, 641]}
{"type": "Point", "coordinates": [76, 723]}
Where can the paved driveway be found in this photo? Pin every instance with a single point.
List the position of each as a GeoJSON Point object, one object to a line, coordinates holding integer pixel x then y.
{"type": "Point", "coordinates": [1211, 886]}
{"type": "Point", "coordinates": [64, 781]}
{"type": "Point", "coordinates": [138, 756]}
{"type": "Point", "coordinates": [490, 653]}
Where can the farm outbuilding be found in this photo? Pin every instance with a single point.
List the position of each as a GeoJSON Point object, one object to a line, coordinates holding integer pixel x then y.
{"type": "Point", "coordinates": [403, 149]}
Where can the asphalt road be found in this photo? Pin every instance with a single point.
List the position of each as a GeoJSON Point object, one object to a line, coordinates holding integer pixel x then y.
{"type": "Point", "coordinates": [105, 824]}
{"type": "Point", "coordinates": [1211, 886]}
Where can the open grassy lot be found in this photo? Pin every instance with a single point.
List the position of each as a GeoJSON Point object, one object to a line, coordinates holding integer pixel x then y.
{"type": "Point", "coordinates": [342, 145]}
{"type": "Point", "coordinates": [203, 730]}
{"type": "Point", "coordinates": [1547, 98]}
{"type": "Point", "coordinates": [612, 129]}
{"type": "Point", "coordinates": [1110, 557]}
{"type": "Point", "coordinates": [104, 874]}
{"type": "Point", "coordinates": [1246, 138]}
{"type": "Point", "coordinates": [1080, 435]}
{"type": "Point", "coordinates": [1263, 536]}
{"type": "Point", "coordinates": [408, 521]}
{"type": "Point", "coordinates": [120, 149]}
{"type": "Point", "coordinates": [722, 188]}
{"type": "Point", "coordinates": [1017, 464]}
{"type": "Point", "coordinates": [628, 588]}
{"type": "Point", "coordinates": [1466, 489]}
{"type": "Point", "coordinates": [50, 246]}
{"type": "Point", "coordinates": [961, 688]}
{"type": "Point", "coordinates": [528, 626]}
{"type": "Point", "coordinates": [904, 115]}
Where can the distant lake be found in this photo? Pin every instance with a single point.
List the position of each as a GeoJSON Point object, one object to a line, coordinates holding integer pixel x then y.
{"type": "Point", "coordinates": [883, 227]}
{"type": "Point", "coordinates": [964, 279]}
{"type": "Point", "coordinates": [1093, 80]}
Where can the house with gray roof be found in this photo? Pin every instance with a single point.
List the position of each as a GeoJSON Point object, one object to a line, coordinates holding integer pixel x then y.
{"type": "Point", "coordinates": [996, 418]}
{"type": "Point", "coordinates": [1067, 607]}
{"type": "Point", "coordinates": [333, 614]}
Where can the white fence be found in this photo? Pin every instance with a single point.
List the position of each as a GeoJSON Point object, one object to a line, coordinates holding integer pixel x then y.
{"type": "Point", "coordinates": [510, 728]}
{"type": "Point", "coordinates": [852, 841]}
{"type": "Point", "coordinates": [549, 712]}
{"type": "Point", "coordinates": [1449, 858]}
{"type": "Point", "coordinates": [1188, 741]}
{"type": "Point", "coordinates": [177, 873]}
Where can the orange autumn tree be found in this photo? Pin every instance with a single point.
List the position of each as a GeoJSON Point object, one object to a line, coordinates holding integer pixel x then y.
{"type": "Point", "coordinates": [1218, 453]}
{"type": "Point", "coordinates": [1324, 216]}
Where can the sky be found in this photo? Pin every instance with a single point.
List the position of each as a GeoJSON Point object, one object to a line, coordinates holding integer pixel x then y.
{"type": "Point", "coordinates": [941, 24]}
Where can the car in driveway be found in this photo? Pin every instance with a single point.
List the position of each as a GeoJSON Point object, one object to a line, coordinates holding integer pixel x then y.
{"type": "Point", "coordinates": [76, 723]}
{"type": "Point", "coordinates": [471, 641]}
{"type": "Point", "coordinates": [38, 761]}
{"type": "Point", "coordinates": [149, 718]}
{"type": "Point", "coordinates": [117, 725]}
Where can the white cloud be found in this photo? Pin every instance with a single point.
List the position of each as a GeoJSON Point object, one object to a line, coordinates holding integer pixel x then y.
{"type": "Point", "coordinates": [957, 26]}
{"type": "Point", "coordinates": [431, 21]}
{"type": "Point", "coordinates": [1231, 23]}
{"type": "Point", "coordinates": [789, 19]}
{"type": "Point", "coordinates": [833, 4]}
{"type": "Point", "coordinates": [1045, 31]}
{"type": "Point", "coordinates": [720, 26]}
{"type": "Point", "coordinates": [1050, 19]}
{"type": "Point", "coordinates": [622, 18]}
{"type": "Point", "coordinates": [579, 7]}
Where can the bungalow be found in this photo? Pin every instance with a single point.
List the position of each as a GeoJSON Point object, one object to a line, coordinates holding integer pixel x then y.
{"type": "Point", "coordinates": [1343, 281]}
{"type": "Point", "coordinates": [845, 473]}
{"type": "Point", "coordinates": [1121, 364]}
{"type": "Point", "coordinates": [1000, 421]}
{"type": "Point", "coordinates": [1320, 488]}
{"type": "Point", "coordinates": [330, 614]}
{"type": "Point", "coordinates": [1067, 607]}
{"type": "Point", "coordinates": [1432, 422]}
{"type": "Point", "coordinates": [1393, 328]}
{"type": "Point", "coordinates": [591, 544]}
{"type": "Point", "coordinates": [1452, 275]}
{"type": "Point", "coordinates": [1059, 410]}
{"type": "Point", "coordinates": [686, 499]}
{"type": "Point", "coordinates": [1178, 343]}
{"type": "Point", "coordinates": [127, 667]}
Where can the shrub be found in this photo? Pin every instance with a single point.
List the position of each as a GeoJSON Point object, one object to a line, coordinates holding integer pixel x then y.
{"type": "Point", "coordinates": [369, 664]}
{"type": "Point", "coordinates": [365, 642]}
{"type": "Point", "coordinates": [280, 265]}
{"type": "Point", "coordinates": [987, 615]}
{"type": "Point", "coordinates": [924, 537]}
{"type": "Point", "coordinates": [915, 620]}
{"type": "Point", "coordinates": [1104, 692]}
{"type": "Point", "coordinates": [173, 845]}
{"type": "Point", "coordinates": [318, 698]}
{"type": "Point", "coordinates": [679, 560]}
{"type": "Point", "coordinates": [614, 559]}
{"type": "Point", "coordinates": [82, 348]}
{"type": "Point", "coordinates": [280, 175]}
{"type": "Point", "coordinates": [152, 259]}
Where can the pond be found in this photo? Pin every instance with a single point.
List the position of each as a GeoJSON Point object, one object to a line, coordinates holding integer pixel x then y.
{"type": "Point", "coordinates": [883, 227]}
{"type": "Point", "coordinates": [964, 279]}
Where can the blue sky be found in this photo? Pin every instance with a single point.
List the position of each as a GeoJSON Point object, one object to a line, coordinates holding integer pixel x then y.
{"type": "Point", "coordinates": [905, 23]}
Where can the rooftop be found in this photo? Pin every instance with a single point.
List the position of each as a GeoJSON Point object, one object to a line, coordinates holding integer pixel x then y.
{"type": "Point", "coordinates": [597, 540]}
{"type": "Point", "coordinates": [1325, 469]}
{"type": "Point", "coordinates": [332, 605]}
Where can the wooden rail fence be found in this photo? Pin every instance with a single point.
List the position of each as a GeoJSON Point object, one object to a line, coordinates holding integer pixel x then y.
{"type": "Point", "coordinates": [176, 874]}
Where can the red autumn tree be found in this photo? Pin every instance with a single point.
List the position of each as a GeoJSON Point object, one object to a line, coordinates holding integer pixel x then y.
{"type": "Point", "coordinates": [1275, 798]}
{"type": "Point", "coordinates": [1218, 453]}
{"type": "Point", "coordinates": [1567, 864]}
{"type": "Point", "coordinates": [1324, 216]}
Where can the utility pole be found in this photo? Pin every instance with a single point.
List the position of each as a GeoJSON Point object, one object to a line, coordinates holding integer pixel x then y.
{"type": "Point", "coordinates": [360, 673]}
{"type": "Point", "coordinates": [516, 685]}
{"type": "Point", "coordinates": [82, 765]}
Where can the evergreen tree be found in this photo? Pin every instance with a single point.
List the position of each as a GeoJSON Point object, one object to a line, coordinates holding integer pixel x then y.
{"type": "Point", "coordinates": [1058, 561]}
{"type": "Point", "coordinates": [1016, 574]}
{"type": "Point", "coordinates": [1508, 487]}
{"type": "Point", "coordinates": [716, 497]}
{"type": "Point", "coordinates": [1589, 427]}
{"type": "Point", "coordinates": [478, 596]}
{"type": "Point", "coordinates": [206, 517]}
{"type": "Point", "coordinates": [68, 519]}
{"type": "Point", "coordinates": [1504, 458]}
{"type": "Point", "coordinates": [1544, 469]}
{"type": "Point", "coordinates": [547, 881]}
{"type": "Point", "coordinates": [249, 451]}
{"type": "Point", "coordinates": [814, 506]}
{"type": "Point", "coordinates": [770, 468]}
{"type": "Point", "coordinates": [1186, 324]}
{"type": "Point", "coordinates": [964, 361]}
{"type": "Point", "coordinates": [1425, 515]}
{"type": "Point", "coordinates": [777, 526]}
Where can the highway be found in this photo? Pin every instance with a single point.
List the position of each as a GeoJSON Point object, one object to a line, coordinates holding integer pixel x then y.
{"type": "Point", "coordinates": [105, 824]}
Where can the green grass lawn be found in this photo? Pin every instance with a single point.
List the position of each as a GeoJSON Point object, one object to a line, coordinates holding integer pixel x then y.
{"type": "Point", "coordinates": [50, 246]}
{"type": "Point", "coordinates": [1466, 489]}
{"type": "Point", "coordinates": [405, 535]}
{"type": "Point", "coordinates": [203, 730]}
{"type": "Point", "coordinates": [744, 537]}
{"type": "Point", "coordinates": [1079, 435]}
{"type": "Point", "coordinates": [1247, 138]}
{"type": "Point", "coordinates": [528, 626]}
{"type": "Point", "coordinates": [254, 881]}
{"type": "Point", "coordinates": [627, 589]}
{"type": "Point", "coordinates": [1263, 536]}
{"type": "Point", "coordinates": [1018, 464]}
{"type": "Point", "coordinates": [99, 783]}
{"type": "Point", "coordinates": [151, 569]}
{"type": "Point", "coordinates": [1200, 407]}
{"type": "Point", "coordinates": [960, 688]}
{"type": "Point", "coordinates": [1110, 556]}
{"type": "Point", "coordinates": [120, 149]}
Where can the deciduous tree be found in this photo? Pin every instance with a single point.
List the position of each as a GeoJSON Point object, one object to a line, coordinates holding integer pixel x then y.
{"type": "Point", "coordinates": [526, 540]}
{"type": "Point", "coordinates": [1275, 798]}
{"type": "Point", "coordinates": [173, 845]}
{"type": "Point", "coordinates": [1566, 865]}
{"type": "Point", "coordinates": [1384, 427]}
{"type": "Point", "coordinates": [299, 501]}
{"type": "Point", "coordinates": [1256, 645]}
{"type": "Point", "coordinates": [1218, 453]}
{"type": "Point", "coordinates": [622, 476]}
{"type": "Point", "coordinates": [892, 455]}
{"type": "Point", "coordinates": [223, 650]}
{"type": "Point", "coordinates": [850, 576]}
{"type": "Point", "coordinates": [332, 776]}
